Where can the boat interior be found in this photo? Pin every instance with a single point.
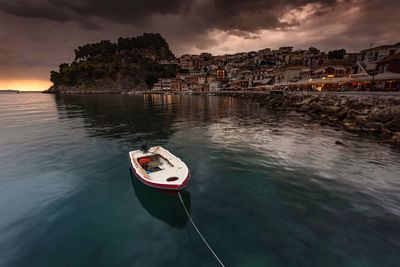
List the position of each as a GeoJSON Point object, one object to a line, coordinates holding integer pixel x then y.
{"type": "Point", "coordinates": [154, 163]}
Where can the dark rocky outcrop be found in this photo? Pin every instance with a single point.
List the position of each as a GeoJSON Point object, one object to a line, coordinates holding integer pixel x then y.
{"type": "Point", "coordinates": [130, 64]}
{"type": "Point", "coordinates": [379, 116]}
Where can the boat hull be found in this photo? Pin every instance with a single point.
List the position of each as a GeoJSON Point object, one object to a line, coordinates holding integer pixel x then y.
{"type": "Point", "coordinates": [166, 172]}
{"type": "Point", "coordinates": [161, 186]}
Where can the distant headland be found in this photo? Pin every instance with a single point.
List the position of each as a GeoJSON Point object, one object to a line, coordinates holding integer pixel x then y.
{"type": "Point", "coordinates": [130, 64]}
{"type": "Point", "coordinates": [9, 91]}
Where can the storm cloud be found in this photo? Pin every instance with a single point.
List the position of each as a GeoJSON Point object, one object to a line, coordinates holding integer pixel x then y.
{"type": "Point", "coordinates": [37, 35]}
{"type": "Point", "coordinates": [250, 15]}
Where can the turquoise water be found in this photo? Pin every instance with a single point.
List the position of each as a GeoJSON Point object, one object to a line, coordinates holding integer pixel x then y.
{"type": "Point", "coordinates": [267, 189]}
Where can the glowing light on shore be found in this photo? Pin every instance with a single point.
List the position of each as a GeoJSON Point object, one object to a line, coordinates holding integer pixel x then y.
{"type": "Point", "coordinates": [25, 85]}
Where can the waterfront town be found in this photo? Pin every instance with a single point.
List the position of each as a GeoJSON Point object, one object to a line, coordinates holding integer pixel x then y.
{"type": "Point", "coordinates": [373, 69]}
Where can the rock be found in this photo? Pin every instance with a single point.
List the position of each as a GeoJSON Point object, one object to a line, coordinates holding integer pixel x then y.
{"type": "Point", "coordinates": [304, 102]}
{"type": "Point", "coordinates": [365, 111]}
{"type": "Point", "coordinates": [315, 107]}
{"type": "Point", "coordinates": [51, 90]}
{"type": "Point", "coordinates": [343, 113]}
{"type": "Point", "coordinates": [352, 113]}
{"type": "Point", "coordinates": [372, 126]}
{"type": "Point", "coordinates": [395, 111]}
{"type": "Point", "coordinates": [329, 102]}
{"type": "Point", "coordinates": [330, 109]}
{"type": "Point", "coordinates": [385, 114]}
{"type": "Point", "coordinates": [361, 119]}
{"type": "Point", "coordinates": [369, 103]}
{"type": "Point", "coordinates": [396, 137]}
{"type": "Point", "coordinates": [358, 105]}
{"type": "Point", "coordinates": [332, 118]}
{"type": "Point", "coordinates": [344, 101]}
{"type": "Point", "coordinates": [339, 143]}
{"type": "Point", "coordinates": [379, 114]}
{"type": "Point", "coordinates": [393, 125]}
{"type": "Point", "coordinates": [303, 108]}
{"type": "Point", "coordinates": [350, 125]}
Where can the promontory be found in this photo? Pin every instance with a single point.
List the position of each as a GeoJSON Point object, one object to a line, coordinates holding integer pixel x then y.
{"type": "Point", "coordinates": [130, 64]}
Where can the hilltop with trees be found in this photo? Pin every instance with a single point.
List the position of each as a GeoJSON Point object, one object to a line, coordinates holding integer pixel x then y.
{"type": "Point", "coordinates": [337, 54]}
{"type": "Point", "coordinates": [113, 67]}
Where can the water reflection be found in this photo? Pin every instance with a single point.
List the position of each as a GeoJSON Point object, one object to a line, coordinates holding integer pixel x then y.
{"type": "Point", "coordinates": [163, 205]}
{"type": "Point", "coordinates": [119, 116]}
{"type": "Point", "coordinates": [150, 117]}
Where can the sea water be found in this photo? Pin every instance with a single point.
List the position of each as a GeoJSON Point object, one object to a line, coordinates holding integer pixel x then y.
{"type": "Point", "coordinates": [267, 188]}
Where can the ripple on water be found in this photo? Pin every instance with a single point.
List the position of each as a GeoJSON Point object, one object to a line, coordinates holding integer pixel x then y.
{"type": "Point", "coordinates": [267, 188]}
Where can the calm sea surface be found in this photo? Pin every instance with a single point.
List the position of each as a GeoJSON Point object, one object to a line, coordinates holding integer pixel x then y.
{"type": "Point", "coordinates": [267, 189]}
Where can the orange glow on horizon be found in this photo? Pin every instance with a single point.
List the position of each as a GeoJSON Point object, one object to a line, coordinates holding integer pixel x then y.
{"type": "Point", "coordinates": [25, 85]}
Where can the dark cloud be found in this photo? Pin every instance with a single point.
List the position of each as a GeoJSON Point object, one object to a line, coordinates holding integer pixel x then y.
{"type": "Point", "coordinates": [36, 9]}
{"type": "Point", "coordinates": [125, 11]}
{"type": "Point", "coordinates": [249, 15]}
{"type": "Point", "coordinates": [256, 15]}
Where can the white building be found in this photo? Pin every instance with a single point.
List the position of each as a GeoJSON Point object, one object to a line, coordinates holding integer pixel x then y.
{"type": "Point", "coordinates": [215, 86]}
{"type": "Point", "coordinates": [368, 58]}
{"type": "Point", "coordinates": [162, 85]}
{"type": "Point", "coordinates": [289, 74]}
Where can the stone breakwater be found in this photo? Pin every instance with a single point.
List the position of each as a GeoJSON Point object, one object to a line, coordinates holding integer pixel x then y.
{"type": "Point", "coordinates": [376, 115]}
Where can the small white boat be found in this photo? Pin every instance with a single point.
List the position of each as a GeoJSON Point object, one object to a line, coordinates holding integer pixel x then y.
{"type": "Point", "coordinates": [159, 168]}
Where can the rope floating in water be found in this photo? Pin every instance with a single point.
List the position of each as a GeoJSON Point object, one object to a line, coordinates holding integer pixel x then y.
{"type": "Point", "coordinates": [198, 231]}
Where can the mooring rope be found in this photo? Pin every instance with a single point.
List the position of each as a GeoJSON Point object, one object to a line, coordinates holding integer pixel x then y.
{"type": "Point", "coordinates": [198, 231]}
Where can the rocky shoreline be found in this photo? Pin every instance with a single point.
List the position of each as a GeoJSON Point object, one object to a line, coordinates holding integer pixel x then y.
{"type": "Point", "coordinates": [375, 115]}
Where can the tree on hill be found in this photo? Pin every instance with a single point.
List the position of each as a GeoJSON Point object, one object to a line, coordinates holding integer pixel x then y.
{"type": "Point", "coordinates": [133, 57]}
{"type": "Point", "coordinates": [337, 54]}
{"type": "Point", "coordinates": [103, 49]}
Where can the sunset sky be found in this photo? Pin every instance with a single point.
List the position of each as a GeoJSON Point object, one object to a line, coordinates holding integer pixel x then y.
{"type": "Point", "coordinates": [37, 35]}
